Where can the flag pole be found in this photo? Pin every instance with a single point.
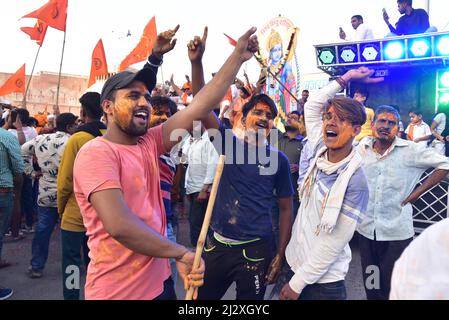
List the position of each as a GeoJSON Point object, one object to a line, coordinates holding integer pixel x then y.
{"type": "Point", "coordinates": [60, 70]}
{"type": "Point", "coordinates": [29, 80]}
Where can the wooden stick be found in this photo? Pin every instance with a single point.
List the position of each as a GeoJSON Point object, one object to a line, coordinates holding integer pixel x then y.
{"type": "Point", "coordinates": [207, 218]}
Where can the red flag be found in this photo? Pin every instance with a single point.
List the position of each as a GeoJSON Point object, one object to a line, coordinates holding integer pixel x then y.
{"type": "Point", "coordinates": [37, 32]}
{"type": "Point", "coordinates": [143, 49]}
{"type": "Point", "coordinates": [54, 13]}
{"type": "Point", "coordinates": [231, 41]}
{"type": "Point", "coordinates": [99, 65]}
{"type": "Point", "coordinates": [16, 83]}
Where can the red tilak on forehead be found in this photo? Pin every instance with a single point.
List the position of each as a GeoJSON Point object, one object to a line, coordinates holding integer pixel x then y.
{"type": "Point", "coordinates": [262, 106]}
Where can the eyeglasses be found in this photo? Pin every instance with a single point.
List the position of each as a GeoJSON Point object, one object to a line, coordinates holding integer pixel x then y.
{"type": "Point", "coordinates": [329, 116]}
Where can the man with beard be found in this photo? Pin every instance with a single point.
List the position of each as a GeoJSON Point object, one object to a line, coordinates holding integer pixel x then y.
{"type": "Point", "coordinates": [413, 21]}
{"type": "Point", "coordinates": [393, 167]}
{"type": "Point", "coordinates": [117, 182]}
{"type": "Point", "coordinates": [333, 194]}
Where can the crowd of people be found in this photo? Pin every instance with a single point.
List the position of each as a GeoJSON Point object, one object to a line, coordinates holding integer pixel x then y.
{"type": "Point", "coordinates": [287, 206]}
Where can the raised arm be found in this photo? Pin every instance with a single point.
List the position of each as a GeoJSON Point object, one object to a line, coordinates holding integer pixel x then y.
{"type": "Point", "coordinates": [315, 106]}
{"type": "Point", "coordinates": [206, 100]}
{"type": "Point", "coordinates": [175, 87]}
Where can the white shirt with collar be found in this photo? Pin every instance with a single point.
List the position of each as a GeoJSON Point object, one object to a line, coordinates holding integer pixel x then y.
{"type": "Point", "coordinates": [391, 179]}
{"type": "Point", "coordinates": [420, 130]}
{"type": "Point", "coordinates": [361, 33]}
{"type": "Point", "coordinates": [202, 159]}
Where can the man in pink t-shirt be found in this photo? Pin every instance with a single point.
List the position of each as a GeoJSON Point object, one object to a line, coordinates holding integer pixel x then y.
{"type": "Point", "coordinates": [117, 184]}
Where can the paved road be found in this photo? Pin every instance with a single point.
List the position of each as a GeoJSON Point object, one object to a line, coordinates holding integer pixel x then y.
{"type": "Point", "coordinates": [50, 286]}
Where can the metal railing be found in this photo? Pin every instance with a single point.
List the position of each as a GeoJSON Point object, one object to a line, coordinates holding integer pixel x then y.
{"type": "Point", "coordinates": [433, 205]}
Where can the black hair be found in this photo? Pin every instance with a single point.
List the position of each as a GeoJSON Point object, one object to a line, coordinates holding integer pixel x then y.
{"type": "Point", "coordinates": [159, 101]}
{"type": "Point", "coordinates": [416, 111]}
{"type": "Point", "coordinates": [363, 92]}
{"type": "Point", "coordinates": [358, 17]}
{"type": "Point", "coordinates": [409, 2]}
{"type": "Point", "coordinates": [24, 115]}
{"type": "Point", "coordinates": [64, 120]}
{"type": "Point", "coordinates": [261, 98]}
{"type": "Point", "coordinates": [306, 91]}
{"type": "Point", "coordinates": [296, 112]}
{"type": "Point", "coordinates": [387, 109]}
{"type": "Point", "coordinates": [32, 122]}
{"type": "Point", "coordinates": [90, 102]}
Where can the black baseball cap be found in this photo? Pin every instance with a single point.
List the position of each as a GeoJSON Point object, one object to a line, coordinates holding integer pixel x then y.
{"type": "Point", "coordinates": [123, 79]}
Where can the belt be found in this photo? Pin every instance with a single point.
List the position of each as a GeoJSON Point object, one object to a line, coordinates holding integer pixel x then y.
{"type": "Point", "coordinates": [6, 190]}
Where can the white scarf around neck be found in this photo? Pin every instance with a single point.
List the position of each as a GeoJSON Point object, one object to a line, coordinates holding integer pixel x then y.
{"type": "Point", "coordinates": [333, 200]}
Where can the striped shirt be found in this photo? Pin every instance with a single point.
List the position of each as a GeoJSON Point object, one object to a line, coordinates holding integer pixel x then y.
{"type": "Point", "coordinates": [167, 174]}
{"type": "Point", "coordinates": [11, 163]}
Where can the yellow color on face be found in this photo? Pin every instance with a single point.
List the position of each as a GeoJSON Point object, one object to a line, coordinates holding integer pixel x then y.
{"type": "Point", "coordinates": [123, 112]}
{"type": "Point", "coordinates": [343, 128]}
{"type": "Point", "coordinates": [261, 112]}
{"type": "Point", "coordinates": [386, 120]}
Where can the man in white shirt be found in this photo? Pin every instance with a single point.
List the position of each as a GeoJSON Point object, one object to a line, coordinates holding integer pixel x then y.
{"type": "Point", "coordinates": [393, 167]}
{"type": "Point", "coordinates": [418, 131]}
{"type": "Point", "coordinates": [333, 193]}
{"type": "Point", "coordinates": [362, 32]}
{"type": "Point", "coordinates": [202, 160]}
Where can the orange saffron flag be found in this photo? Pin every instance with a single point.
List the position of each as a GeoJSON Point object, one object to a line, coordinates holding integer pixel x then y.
{"type": "Point", "coordinates": [53, 13]}
{"type": "Point", "coordinates": [231, 41]}
{"type": "Point", "coordinates": [99, 65]}
{"type": "Point", "coordinates": [37, 33]}
{"type": "Point", "coordinates": [143, 49]}
{"type": "Point", "coordinates": [16, 83]}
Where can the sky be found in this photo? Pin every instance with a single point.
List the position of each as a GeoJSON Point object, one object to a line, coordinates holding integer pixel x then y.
{"type": "Point", "coordinates": [90, 20]}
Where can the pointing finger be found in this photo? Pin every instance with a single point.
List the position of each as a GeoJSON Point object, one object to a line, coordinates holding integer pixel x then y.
{"type": "Point", "coordinates": [249, 33]}
{"type": "Point", "coordinates": [206, 31]}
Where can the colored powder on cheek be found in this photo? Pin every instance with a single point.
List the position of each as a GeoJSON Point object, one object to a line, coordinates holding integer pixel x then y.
{"type": "Point", "coordinates": [123, 113]}
{"type": "Point", "coordinates": [394, 132]}
{"type": "Point", "coordinates": [346, 133]}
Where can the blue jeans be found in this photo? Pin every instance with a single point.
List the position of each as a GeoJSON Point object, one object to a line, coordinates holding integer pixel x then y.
{"type": "Point", "coordinates": [324, 291]}
{"type": "Point", "coordinates": [46, 221]}
{"type": "Point", "coordinates": [72, 245]}
{"type": "Point", "coordinates": [29, 200]}
{"type": "Point", "coordinates": [6, 206]}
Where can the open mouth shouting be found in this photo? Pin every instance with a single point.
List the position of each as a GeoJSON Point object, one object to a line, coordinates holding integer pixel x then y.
{"type": "Point", "coordinates": [263, 125]}
{"type": "Point", "coordinates": [331, 134]}
{"type": "Point", "coordinates": [337, 137]}
{"type": "Point", "coordinates": [141, 116]}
